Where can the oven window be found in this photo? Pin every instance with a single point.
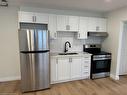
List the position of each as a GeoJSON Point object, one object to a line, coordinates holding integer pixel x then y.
{"type": "Point", "coordinates": [101, 64]}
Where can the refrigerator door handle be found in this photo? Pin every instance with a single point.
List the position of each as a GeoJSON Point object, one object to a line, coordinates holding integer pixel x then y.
{"type": "Point", "coordinates": [32, 35]}
{"type": "Point", "coordinates": [28, 40]}
{"type": "Point", "coordinates": [33, 70]}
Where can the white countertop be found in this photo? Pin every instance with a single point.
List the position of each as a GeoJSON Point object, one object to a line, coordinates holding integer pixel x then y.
{"type": "Point", "coordinates": [80, 54]}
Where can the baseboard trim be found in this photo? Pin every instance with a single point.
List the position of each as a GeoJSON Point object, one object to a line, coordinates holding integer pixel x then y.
{"type": "Point", "coordinates": [114, 77]}
{"type": "Point", "coordinates": [4, 79]}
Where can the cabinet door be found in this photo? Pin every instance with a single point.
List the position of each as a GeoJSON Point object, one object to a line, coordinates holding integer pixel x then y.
{"type": "Point", "coordinates": [92, 23]}
{"type": "Point", "coordinates": [73, 23]}
{"type": "Point", "coordinates": [52, 26]}
{"type": "Point", "coordinates": [97, 24]}
{"type": "Point", "coordinates": [62, 23]}
{"type": "Point", "coordinates": [41, 18]}
{"type": "Point", "coordinates": [83, 29]}
{"type": "Point", "coordinates": [76, 68]}
{"type": "Point", "coordinates": [26, 17]}
{"type": "Point", "coordinates": [102, 25]}
{"type": "Point", "coordinates": [63, 69]}
{"type": "Point", "coordinates": [53, 70]}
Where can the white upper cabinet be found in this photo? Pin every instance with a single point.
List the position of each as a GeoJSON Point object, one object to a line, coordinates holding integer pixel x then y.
{"type": "Point", "coordinates": [103, 24]}
{"type": "Point", "coordinates": [62, 22]}
{"type": "Point", "coordinates": [92, 24]}
{"type": "Point", "coordinates": [41, 18]}
{"type": "Point", "coordinates": [67, 23]}
{"type": "Point", "coordinates": [30, 17]}
{"type": "Point", "coordinates": [73, 23]}
{"type": "Point", "coordinates": [26, 17]}
{"type": "Point", "coordinates": [83, 28]}
{"type": "Point", "coordinates": [96, 24]}
{"type": "Point", "coordinates": [52, 26]}
{"type": "Point", "coordinates": [81, 25]}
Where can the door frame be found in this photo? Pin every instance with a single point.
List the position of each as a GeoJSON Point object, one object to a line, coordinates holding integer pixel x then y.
{"type": "Point", "coordinates": [120, 48]}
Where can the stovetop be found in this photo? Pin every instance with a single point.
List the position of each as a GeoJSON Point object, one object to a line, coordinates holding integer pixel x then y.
{"type": "Point", "coordinates": [94, 49]}
{"type": "Point", "coordinates": [102, 53]}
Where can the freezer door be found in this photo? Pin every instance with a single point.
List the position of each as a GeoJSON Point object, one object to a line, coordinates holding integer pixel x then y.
{"type": "Point", "coordinates": [33, 40]}
{"type": "Point", "coordinates": [35, 71]}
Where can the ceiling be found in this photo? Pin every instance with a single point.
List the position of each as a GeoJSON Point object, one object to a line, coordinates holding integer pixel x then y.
{"type": "Point", "coordinates": [92, 5]}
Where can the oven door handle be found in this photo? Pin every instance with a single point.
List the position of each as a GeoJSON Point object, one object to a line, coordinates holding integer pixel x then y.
{"type": "Point", "coordinates": [99, 59]}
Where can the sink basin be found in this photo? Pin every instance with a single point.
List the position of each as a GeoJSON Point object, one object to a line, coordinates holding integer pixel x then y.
{"type": "Point", "coordinates": [67, 53]}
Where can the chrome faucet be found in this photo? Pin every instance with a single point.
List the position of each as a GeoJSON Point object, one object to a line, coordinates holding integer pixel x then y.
{"type": "Point", "coordinates": [65, 48]}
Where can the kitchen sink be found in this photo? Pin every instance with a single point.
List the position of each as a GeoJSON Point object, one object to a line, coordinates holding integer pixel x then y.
{"type": "Point", "coordinates": [67, 53]}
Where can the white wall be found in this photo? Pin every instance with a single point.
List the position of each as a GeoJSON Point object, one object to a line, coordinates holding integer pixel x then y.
{"type": "Point", "coordinates": [123, 55]}
{"type": "Point", "coordinates": [63, 12]}
{"type": "Point", "coordinates": [9, 50]}
{"type": "Point", "coordinates": [9, 56]}
{"type": "Point", "coordinates": [111, 44]}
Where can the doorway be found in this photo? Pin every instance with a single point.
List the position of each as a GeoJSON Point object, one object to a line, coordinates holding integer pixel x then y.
{"type": "Point", "coordinates": [123, 50]}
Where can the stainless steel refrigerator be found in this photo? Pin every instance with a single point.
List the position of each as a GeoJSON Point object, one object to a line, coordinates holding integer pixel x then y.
{"type": "Point", "coordinates": [34, 56]}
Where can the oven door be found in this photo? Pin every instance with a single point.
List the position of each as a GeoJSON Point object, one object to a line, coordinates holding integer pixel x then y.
{"type": "Point", "coordinates": [100, 68]}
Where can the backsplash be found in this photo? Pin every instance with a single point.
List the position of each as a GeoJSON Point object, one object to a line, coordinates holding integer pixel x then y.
{"type": "Point", "coordinates": [57, 45]}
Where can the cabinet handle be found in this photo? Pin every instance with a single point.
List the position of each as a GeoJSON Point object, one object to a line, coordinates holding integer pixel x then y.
{"type": "Point", "coordinates": [79, 35]}
{"type": "Point", "coordinates": [87, 61]}
{"type": "Point", "coordinates": [55, 34]}
{"type": "Point", "coordinates": [97, 28]}
{"type": "Point", "coordinates": [85, 72]}
{"type": "Point", "coordinates": [86, 57]}
{"type": "Point", "coordinates": [67, 27]}
{"type": "Point", "coordinates": [56, 61]}
{"type": "Point", "coordinates": [33, 18]}
{"type": "Point", "coordinates": [70, 59]}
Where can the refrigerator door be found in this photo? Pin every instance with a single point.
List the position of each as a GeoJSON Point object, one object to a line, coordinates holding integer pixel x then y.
{"type": "Point", "coordinates": [35, 39]}
{"type": "Point", "coordinates": [35, 71]}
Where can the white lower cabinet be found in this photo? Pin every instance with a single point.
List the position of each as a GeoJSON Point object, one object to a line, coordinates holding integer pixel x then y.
{"type": "Point", "coordinates": [53, 70]}
{"type": "Point", "coordinates": [76, 65]}
{"type": "Point", "coordinates": [86, 68]}
{"type": "Point", "coordinates": [65, 69]}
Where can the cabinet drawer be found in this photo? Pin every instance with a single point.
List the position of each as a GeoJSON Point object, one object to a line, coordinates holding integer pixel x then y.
{"type": "Point", "coordinates": [86, 67]}
{"type": "Point", "coordinates": [87, 57]}
{"type": "Point", "coordinates": [87, 62]}
{"type": "Point", "coordinates": [86, 77]}
{"type": "Point", "coordinates": [85, 73]}
{"type": "Point", "coordinates": [85, 70]}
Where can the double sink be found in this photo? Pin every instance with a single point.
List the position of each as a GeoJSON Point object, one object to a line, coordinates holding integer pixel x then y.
{"type": "Point", "coordinates": [68, 53]}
